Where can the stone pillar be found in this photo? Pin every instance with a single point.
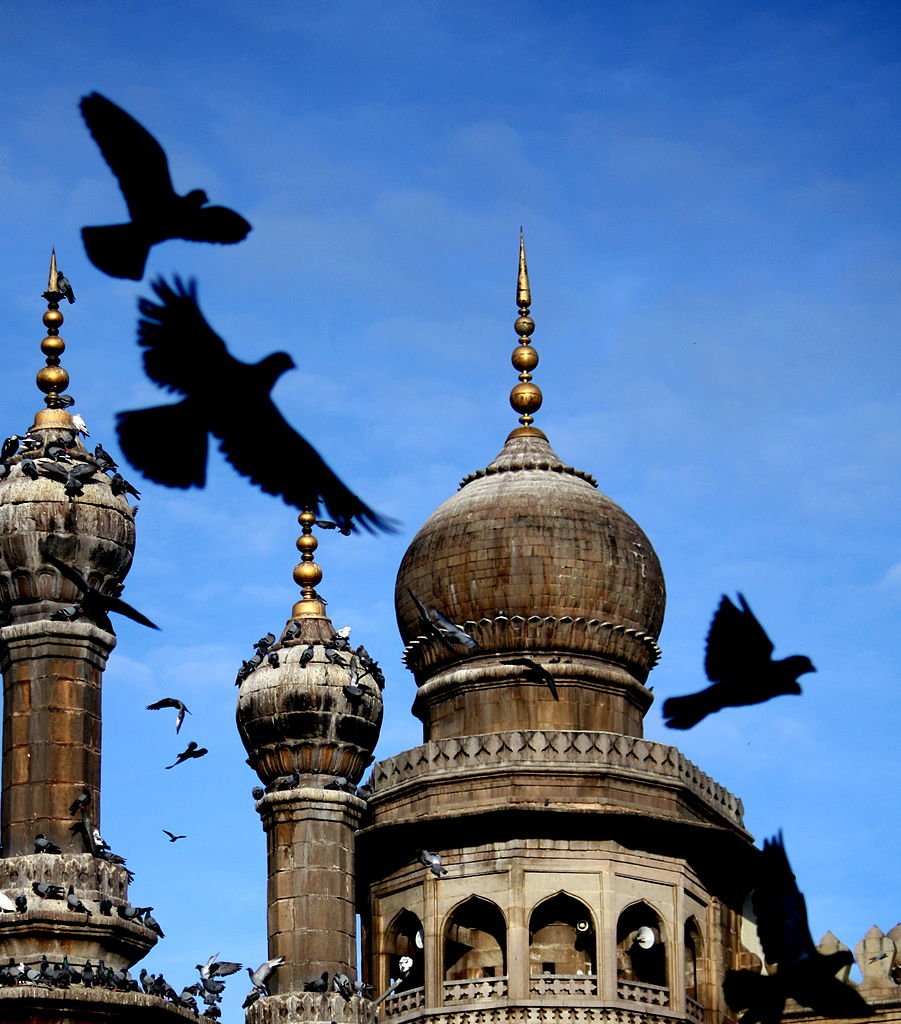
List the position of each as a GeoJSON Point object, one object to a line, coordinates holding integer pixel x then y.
{"type": "Point", "coordinates": [311, 910]}
{"type": "Point", "coordinates": [51, 729]}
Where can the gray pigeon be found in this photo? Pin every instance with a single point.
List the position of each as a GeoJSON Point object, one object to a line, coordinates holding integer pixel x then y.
{"type": "Point", "coordinates": [432, 861]}
{"type": "Point", "coordinates": [261, 975]}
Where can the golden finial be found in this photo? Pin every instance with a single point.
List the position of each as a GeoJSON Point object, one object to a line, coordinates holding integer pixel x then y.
{"type": "Point", "coordinates": [525, 396]}
{"type": "Point", "coordinates": [307, 574]}
{"type": "Point", "coordinates": [52, 379]}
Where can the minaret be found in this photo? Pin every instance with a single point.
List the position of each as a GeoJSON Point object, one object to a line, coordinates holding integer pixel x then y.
{"type": "Point", "coordinates": [309, 713]}
{"type": "Point", "coordinates": [52, 658]}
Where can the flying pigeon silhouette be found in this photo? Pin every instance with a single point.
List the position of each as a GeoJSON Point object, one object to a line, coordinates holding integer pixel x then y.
{"type": "Point", "coordinates": [157, 211]}
{"type": "Point", "coordinates": [535, 673]}
{"type": "Point", "coordinates": [804, 974]}
{"type": "Point", "coordinates": [192, 750]}
{"type": "Point", "coordinates": [171, 702]}
{"type": "Point", "coordinates": [96, 605]}
{"type": "Point", "coordinates": [740, 665]}
{"type": "Point", "coordinates": [230, 400]}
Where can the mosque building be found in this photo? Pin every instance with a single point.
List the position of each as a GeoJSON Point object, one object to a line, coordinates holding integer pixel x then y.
{"type": "Point", "coordinates": [535, 859]}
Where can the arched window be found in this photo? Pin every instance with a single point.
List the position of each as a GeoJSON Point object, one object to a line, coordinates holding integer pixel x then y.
{"type": "Point", "coordinates": [562, 937]}
{"type": "Point", "coordinates": [693, 950]}
{"type": "Point", "coordinates": [640, 946]}
{"type": "Point", "coordinates": [475, 941]}
{"type": "Point", "coordinates": [404, 939]}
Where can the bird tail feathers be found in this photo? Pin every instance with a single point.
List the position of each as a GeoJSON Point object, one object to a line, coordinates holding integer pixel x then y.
{"type": "Point", "coordinates": [119, 250]}
{"type": "Point", "coordinates": [684, 712]}
{"type": "Point", "coordinates": [165, 443]}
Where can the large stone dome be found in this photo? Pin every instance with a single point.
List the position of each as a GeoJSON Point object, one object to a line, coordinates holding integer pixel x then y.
{"type": "Point", "coordinates": [530, 556]}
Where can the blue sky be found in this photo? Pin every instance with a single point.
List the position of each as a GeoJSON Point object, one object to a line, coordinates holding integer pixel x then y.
{"type": "Point", "coordinates": [710, 198]}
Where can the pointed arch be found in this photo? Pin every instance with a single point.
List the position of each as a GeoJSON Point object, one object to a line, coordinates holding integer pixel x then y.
{"type": "Point", "coordinates": [693, 959]}
{"type": "Point", "coordinates": [562, 937]}
{"type": "Point", "coordinates": [641, 945]}
{"type": "Point", "coordinates": [475, 941]}
{"type": "Point", "coordinates": [404, 937]}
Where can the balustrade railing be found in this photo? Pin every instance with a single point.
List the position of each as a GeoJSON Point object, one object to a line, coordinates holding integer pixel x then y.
{"type": "Point", "coordinates": [563, 985]}
{"type": "Point", "coordinates": [475, 989]}
{"type": "Point", "coordinates": [404, 1002]}
{"type": "Point", "coordinates": [642, 992]}
{"type": "Point", "coordinates": [693, 1009]}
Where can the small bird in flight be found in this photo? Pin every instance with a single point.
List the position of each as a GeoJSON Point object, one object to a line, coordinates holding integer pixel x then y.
{"type": "Point", "coordinates": [171, 702]}
{"type": "Point", "coordinates": [230, 400]}
{"type": "Point", "coordinates": [438, 625]}
{"type": "Point", "coordinates": [536, 673]}
{"type": "Point", "coordinates": [192, 750]}
{"type": "Point", "coordinates": [740, 665]}
{"type": "Point", "coordinates": [157, 211]}
{"type": "Point", "coordinates": [804, 974]}
{"type": "Point", "coordinates": [172, 836]}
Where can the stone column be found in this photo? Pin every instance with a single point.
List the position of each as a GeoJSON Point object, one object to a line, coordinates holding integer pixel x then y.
{"type": "Point", "coordinates": [51, 728]}
{"type": "Point", "coordinates": [311, 910]}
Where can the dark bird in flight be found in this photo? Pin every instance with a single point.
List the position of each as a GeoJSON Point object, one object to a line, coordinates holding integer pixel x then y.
{"type": "Point", "coordinates": [535, 673]}
{"type": "Point", "coordinates": [157, 211]}
{"type": "Point", "coordinates": [438, 625]}
{"type": "Point", "coordinates": [216, 968]}
{"type": "Point", "coordinates": [96, 605]}
{"type": "Point", "coordinates": [172, 836]}
{"type": "Point", "coordinates": [171, 702]}
{"type": "Point", "coordinates": [230, 400]}
{"type": "Point", "coordinates": [803, 973]}
{"type": "Point", "coordinates": [740, 665]}
{"type": "Point", "coordinates": [192, 750]}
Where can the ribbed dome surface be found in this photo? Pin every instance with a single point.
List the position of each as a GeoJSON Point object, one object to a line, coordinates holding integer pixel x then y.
{"type": "Point", "coordinates": [530, 542]}
{"type": "Point", "coordinates": [93, 530]}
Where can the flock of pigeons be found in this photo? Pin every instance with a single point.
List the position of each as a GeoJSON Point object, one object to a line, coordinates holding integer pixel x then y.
{"type": "Point", "coordinates": [208, 989]}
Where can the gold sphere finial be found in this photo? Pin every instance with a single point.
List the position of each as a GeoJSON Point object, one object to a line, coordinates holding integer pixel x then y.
{"type": "Point", "coordinates": [525, 396]}
{"type": "Point", "coordinates": [307, 574]}
{"type": "Point", "coordinates": [52, 379]}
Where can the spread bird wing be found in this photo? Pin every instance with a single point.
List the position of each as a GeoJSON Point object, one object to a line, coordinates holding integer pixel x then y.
{"type": "Point", "coordinates": [780, 908]}
{"type": "Point", "coordinates": [213, 224]}
{"type": "Point", "coordinates": [736, 642]}
{"type": "Point", "coordinates": [132, 153]}
{"type": "Point", "coordinates": [182, 352]}
{"type": "Point", "coordinates": [54, 471]}
{"type": "Point", "coordinates": [166, 702]}
{"type": "Point", "coordinates": [261, 445]}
